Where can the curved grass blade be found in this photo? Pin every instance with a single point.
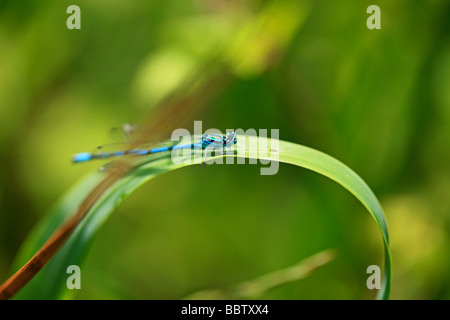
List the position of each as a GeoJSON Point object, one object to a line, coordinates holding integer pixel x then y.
{"type": "Point", "coordinates": [50, 283]}
{"type": "Point", "coordinates": [257, 287]}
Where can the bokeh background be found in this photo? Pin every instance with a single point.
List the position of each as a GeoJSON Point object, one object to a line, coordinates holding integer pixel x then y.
{"type": "Point", "coordinates": [378, 100]}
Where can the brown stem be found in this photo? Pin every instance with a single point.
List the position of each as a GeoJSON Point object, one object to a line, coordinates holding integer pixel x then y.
{"type": "Point", "coordinates": [18, 280]}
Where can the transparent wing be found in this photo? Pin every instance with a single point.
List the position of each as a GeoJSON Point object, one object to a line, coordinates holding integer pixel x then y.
{"type": "Point", "coordinates": [129, 131]}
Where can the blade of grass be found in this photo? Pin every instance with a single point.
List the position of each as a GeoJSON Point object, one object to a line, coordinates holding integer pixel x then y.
{"type": "Point", "coordinates": [258, 286]}
{"type": "Point", "coordinates": [50, 283]}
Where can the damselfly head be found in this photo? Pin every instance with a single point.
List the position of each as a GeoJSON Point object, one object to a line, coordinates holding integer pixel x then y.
{"type": "Point", "coordinates": [230, 138]}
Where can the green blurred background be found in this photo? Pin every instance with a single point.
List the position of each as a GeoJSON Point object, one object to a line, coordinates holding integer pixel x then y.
{"type": "Point", "coordinates": [378, 100]}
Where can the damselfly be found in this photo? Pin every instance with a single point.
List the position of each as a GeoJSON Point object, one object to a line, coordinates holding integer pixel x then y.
{"type": "Point", "coordinates": [207, 141]}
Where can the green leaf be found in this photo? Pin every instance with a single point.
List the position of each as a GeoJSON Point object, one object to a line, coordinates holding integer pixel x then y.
{"type": "Point", "coordinates": [50, 283]}
{"type": "Point", "coordinates": [254, 288]}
